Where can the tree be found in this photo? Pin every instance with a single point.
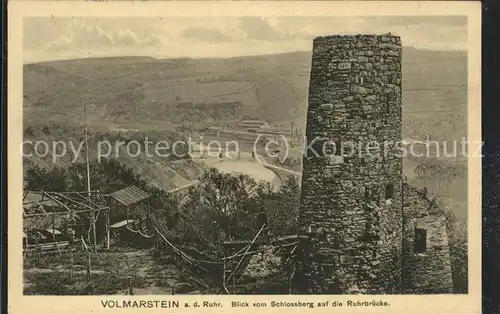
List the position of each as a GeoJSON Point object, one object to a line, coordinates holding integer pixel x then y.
{"type": "Point", "coordinates": [38, 178]}
{"type": "Point", "coordinates": [46, 130]}
{"type": "Point", "coordinates": [226, 197]}
{"type": "Point", "coordinates": [421, 171]}
{"type": "Point", "coordinates": [28, 131]}
{"type": "Point", "coordinates": [451, 173]}
{"type": "Point", "coordinates": [437, 172]}
{"type": "Point", "coordinates": [282, 206]}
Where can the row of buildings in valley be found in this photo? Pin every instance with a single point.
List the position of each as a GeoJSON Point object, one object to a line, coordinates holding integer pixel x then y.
{"type": "Point", "coordinates": [253, 130]}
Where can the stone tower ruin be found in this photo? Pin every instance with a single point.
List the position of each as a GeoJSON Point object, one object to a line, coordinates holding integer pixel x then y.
{"type": "Point", "coordinates": [351, 202]}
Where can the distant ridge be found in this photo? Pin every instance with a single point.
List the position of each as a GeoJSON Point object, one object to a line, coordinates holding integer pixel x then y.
{"type": "Point", "coordinates": [160, 59]}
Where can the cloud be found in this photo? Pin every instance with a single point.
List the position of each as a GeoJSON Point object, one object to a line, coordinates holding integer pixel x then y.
{"type": "Point", "coordinates": [259, 29]}
{"type": "Point", "coordinates": [205, 34]}
{"type": "Point", "coordinates": [61, 37]}
{"type": "Point", "coordinates": [308, 28]}
{"type": "Point", "coordinates": [440, 21]}
{"type": "Point", "coordinates": [434, 33]}
{"type": "Point", "coordinates": [82, 35]}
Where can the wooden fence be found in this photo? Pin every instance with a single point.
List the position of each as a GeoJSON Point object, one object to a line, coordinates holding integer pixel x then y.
{"type": "Point", "coordinates": [202, 272]}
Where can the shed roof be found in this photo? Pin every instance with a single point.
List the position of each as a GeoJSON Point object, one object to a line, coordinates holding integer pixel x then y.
{"type": "Point", "coordinates": [34, 197]}
{"type": "Point", "coordinates": [53, 231]}
{"type": "Point", "coordinates": [129, 195]}
{"type": "Point", "coordinates": [121, 224]}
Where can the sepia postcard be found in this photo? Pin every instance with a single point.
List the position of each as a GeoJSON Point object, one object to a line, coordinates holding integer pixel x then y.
{"type": "Point", "coordinates": [244, 157]}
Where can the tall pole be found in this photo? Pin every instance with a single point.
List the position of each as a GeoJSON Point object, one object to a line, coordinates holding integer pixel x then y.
{"type": "Point", "coordinates": [88, 178]}
{"type": "Point", "coordinates": [87, 152]}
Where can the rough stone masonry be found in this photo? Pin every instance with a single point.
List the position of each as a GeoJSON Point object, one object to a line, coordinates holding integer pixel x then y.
{"type": "Point", "coordinates": [429, 271]}
{"type": "Point", "coordinates": [366, 230]}
{"type": "Point", "coordinates": [351, 202]}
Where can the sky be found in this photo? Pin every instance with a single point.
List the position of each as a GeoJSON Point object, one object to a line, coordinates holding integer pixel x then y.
{"type": "Point", "coordinates": [55, 38]}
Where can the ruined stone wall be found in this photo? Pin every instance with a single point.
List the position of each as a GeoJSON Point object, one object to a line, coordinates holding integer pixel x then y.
{"type": "Point", "coordinates": [355, 231]}
{"type": "Point", "coordinates": [430, 271]}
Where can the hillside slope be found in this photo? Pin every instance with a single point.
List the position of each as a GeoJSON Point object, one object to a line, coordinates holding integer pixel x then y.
{"type": "Point", "coordinates": [162, 171]}
{"type": "Point", "coordinates": [150, 96]}
{"type": "Point", "coordinates": [272, 87]}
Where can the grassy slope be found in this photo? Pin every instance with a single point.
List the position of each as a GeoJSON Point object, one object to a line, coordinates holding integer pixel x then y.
{"type": "Point", "coordinates": [110, 270]}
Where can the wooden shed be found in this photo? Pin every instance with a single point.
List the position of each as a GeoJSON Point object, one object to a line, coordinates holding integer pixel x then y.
{"type": "Point", "coordinates": [129, 203]}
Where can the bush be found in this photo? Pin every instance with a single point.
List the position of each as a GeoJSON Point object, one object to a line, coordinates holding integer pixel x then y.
{"type": "Point", "coordinates": [46, 130]}
{"type": "Point", "coordinates": [28, 131]}
{"type": "Point", "coordinates": [263, 264]}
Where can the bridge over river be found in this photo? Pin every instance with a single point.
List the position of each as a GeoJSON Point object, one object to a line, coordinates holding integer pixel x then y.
{"type": "Point", "coordinates": [247, 164]}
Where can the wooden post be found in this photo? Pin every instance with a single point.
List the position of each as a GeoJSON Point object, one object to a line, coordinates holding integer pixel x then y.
{"type": "Point", "coordinates": [108, 235]}
{"type": "Point", "coordinates": [130, 288]}
{"type": "Point", "coordinates": [70, 263]}
{"type": "Point", "coordinates": [149, 215]}
{"type": "Point", "coordinates": [94, 218]}
{"type": "Point", "coordinates": [89, 278]}
{"type": "Point", "coordinates": [26, 241]}
{"type": "Point", "coordinates": [54, 228]}
{"type": "Point", "coordinates": [155, 245]}
{"type": "Point", "coordinates": [180, 263]}
{"type": "Point", "coordinates": [89, 267]}
{"type": "Point", "coordinates": [234, 275]}
{"type": "Point", "coordinates": [224, 265]}
{"type": "Point", "coordinates": [223, 274]}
